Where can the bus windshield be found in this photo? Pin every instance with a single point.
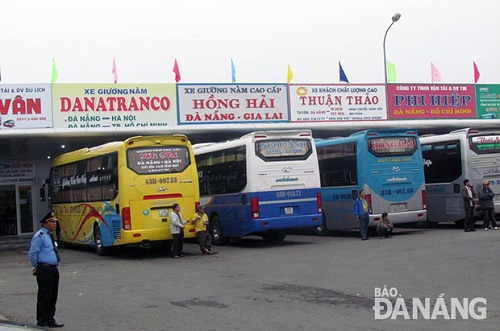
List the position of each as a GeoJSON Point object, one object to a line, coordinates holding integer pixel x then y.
{"type": "Point", "coordinates": [282, 150]}
{"type": "Point", "coordinates": [383, 146]}
{"type": "Point", "coordinates": [158, 160]}
{"type": "Point", "coordinates": [486, 144]}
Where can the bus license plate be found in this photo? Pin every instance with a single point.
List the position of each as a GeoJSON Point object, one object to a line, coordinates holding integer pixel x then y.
{"type": "Point", "coordinates": [395, 207]}
{"type": "Point", "coordinates": [288, 210]}
{"type": "Point", "coordinates": [163, 212]}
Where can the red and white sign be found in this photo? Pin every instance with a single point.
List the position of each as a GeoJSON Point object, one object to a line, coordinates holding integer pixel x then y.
{"type": "Point", "coordinates": [25, 106]}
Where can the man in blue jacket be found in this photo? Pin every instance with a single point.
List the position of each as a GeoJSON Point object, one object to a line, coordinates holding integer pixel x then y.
{"type": "Point", "coordinates": [44, 258]}
{"type": "Point", "coordinates": [362, 210]}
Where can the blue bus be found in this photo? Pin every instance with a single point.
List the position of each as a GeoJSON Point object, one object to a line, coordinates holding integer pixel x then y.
{"type": "Point", "coordinates": [263, 184]}
{"type": "Point", "coordinates": [386, 163]}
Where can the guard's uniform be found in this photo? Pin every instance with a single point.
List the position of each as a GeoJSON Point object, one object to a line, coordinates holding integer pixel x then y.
{"type": "Point", "coordinates": [44, 258]}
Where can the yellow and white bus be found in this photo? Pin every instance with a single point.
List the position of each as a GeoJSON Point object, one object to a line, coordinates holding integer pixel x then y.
{"type": "Point", "coordinates": [122, 193]}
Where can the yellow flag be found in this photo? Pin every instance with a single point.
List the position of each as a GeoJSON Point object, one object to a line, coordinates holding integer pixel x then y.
{"type": "Point", "coordinates": [55, 75]}
{"type": "Point", "coordinates": [290, 75]}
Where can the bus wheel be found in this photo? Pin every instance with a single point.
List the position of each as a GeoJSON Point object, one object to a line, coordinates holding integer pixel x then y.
{"type": "Point", "coordinates": [99, 248]}
{"type": "Point", "coordinates": [273, 236]}
{"type": "Point", "coordinates": [321, 230]}
{"type": "Point", "coordinates": [217, 235]}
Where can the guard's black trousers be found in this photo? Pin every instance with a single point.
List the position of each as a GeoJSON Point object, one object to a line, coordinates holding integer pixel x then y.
{"type": "Point", "coordinates": [47, 279]}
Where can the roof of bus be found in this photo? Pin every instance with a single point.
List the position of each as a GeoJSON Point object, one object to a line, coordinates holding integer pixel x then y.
{"type": "Point", "coordinates": [461, 133]}
{"type": "Point", "coordinates": [371, 132]}
{"type": "Point", "coordinates": [298, 133]}
{"type": "Point", "coordinates": [88, 152]}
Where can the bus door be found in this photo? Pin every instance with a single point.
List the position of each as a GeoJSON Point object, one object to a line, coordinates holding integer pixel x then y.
{"type": "Point", "coordinates": [346, 197]}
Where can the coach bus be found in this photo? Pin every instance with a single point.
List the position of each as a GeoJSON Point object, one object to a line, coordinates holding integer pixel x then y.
{"type": "Point", "coordinates": [263, 184]}
{"type": "Point", "coordinates": [386, 164]}
{"type": "Point", "coordinates": [451, 158]}
{"type": "Point", "coordinates": [122, 193]}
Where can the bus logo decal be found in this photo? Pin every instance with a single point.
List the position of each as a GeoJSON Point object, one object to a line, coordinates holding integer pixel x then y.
{"type": "Point", "coordinates": [287, 169]}
{"type": "Point", "coordinates": [162, 189]}
{"type": "Point", "coordinates": [396, 168]}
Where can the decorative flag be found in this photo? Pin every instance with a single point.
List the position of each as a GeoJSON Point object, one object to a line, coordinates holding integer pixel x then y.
{"type": "Point", "coordinates": [435, 73]}
{"type": "Point", "coordinates": [233, 72]}
{"type": "Point", "coordinates": [342, 75]}
{"type": "Point", "coordinates": [476, 73]}
{"type": "Point", "coordinates": [176, 72]}
{"type": "Point", "coordinates": [289, 75]}
{"type": "Point", "coordinates": [55, 75]}
{"type": "Point", "coordinates": [391, 72]}
{"type": "Point", "coordinates": [115, 73]}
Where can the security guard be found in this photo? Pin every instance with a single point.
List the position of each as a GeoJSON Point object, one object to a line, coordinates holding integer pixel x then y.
{"type": "Point", "coordinates": [45, 259]}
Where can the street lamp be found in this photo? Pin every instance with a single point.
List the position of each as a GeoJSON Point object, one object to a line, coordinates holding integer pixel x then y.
{"type": "Point", "coordinates": [395, 18]}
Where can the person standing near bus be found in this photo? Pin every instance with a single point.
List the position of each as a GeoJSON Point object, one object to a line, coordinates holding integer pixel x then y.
{"type": "Point", "coordinates": [200, 221]}
{"type": "Point", "coordinates": [177, 230]}
{"type": "Point", "coordinates": [470, 199]}
{"type": "Point", "coordinates": [362, 211]}
{"type": "Point", "coordinates": [486, 196]}
{"type": "Point", "coordinates": [44, 258]}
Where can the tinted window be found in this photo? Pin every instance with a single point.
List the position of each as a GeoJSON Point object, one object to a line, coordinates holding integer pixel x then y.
{"type": "Point", "coordinates": [158, 160]}
{"type": "Point", "coordinates": [337, 165]}
{"type": "Point", "coordinates": [282, 150]}
{"type": "Point", "coordinates": [385, 146]}
{"type": "Point", "coordinates": [442, 161]}
{"type": "Point", "coordinates": [485, 144]}
{"type": "Point", "coordinates": [222, 171]}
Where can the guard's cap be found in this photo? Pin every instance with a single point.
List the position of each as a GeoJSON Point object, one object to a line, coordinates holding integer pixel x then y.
{"type": "Point", "coordinates": [49, 217]}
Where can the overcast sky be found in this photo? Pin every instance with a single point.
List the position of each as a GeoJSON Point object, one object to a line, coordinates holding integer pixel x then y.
{"type": "Point", "coordinates": [262, 37]}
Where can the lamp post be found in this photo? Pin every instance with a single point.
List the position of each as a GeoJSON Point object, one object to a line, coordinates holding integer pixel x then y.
{"type": "Point", "coordinates": [395, 18]}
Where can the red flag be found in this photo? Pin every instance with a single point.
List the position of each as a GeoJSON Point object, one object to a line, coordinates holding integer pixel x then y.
{"type": "Point", "coordinates": [177, 72]}
{"type": "Point", "coordinates": [476, 73]}
{"type": "Point", "coordinates": [435, 74]}
{"type": "Point", "coordinates": [115, 73]}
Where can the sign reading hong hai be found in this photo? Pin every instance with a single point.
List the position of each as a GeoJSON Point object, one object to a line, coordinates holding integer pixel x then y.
{"type": "Point", "coordinates": [232, 103]}
{"type": "Point", "coordinates": [331, 103]}
{"type": "Point", "coordinates": [25, 106]}
{"type": "Point", "coordinates": [83, 106]}
{"type": "Point", "coordinates": [431, 101]}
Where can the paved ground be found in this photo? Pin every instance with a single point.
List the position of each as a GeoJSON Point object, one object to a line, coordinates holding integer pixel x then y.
{"type": "Point", "coordinates": [307, 283]}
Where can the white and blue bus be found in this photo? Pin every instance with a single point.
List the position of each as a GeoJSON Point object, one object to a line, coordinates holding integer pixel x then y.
{"type": "Point", "coordinates": [263, 184]}
{"type": "Point", "coordinates": [448, 160]}
{"type": "Point", "coordinates": [386, 164]}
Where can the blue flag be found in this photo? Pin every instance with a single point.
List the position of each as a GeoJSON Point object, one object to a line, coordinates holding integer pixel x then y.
{"type": "Point", "coordinates": [233, 72]}
{"type": "Point", "coordinates": [342, 76]}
